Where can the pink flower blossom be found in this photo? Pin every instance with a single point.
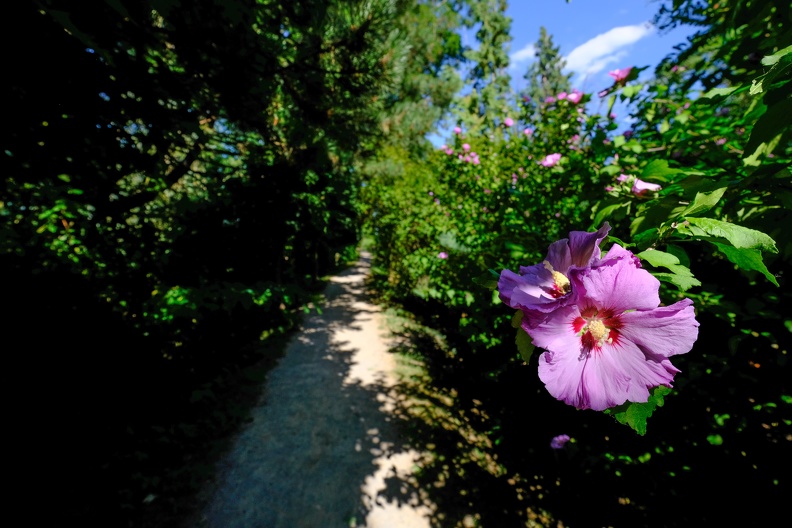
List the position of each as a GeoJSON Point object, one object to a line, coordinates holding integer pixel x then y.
{"type": "Point", "coordinates": [442, 255]}
{"type": "Point", "coordinates": [620, 76]}
{"type": "Point", "coordinates": [574, 97]}
{"type": "Point", "coordinates": [528, 132]}
{"type": "Point", "coordinates": [720, 141]}
{"type": "Point", "coordinates": [642, 188]}
{"type": "Point", "coordinates": [550, 100]}
{"type": "Point", "coordinates": [610, 188]}
{"type": "Point", "coordinates": [562, 96]}
{"type": "Point", "coordinates": [457, 130]}
{"type": "Point", "coordinates": [544, 287]}
{"type": "Point", "coordinates": [465, 147]}
{"type": "Point", "coordinates": [559, 441]}
{"type": "Point", "coordinates": [612, 341]}
{"type": "Point", "coordinates": [508, 121]}
{"type": "Point", "coordinates": [622, 178]}
{"type": "Point", "coordinates": [550, 160]}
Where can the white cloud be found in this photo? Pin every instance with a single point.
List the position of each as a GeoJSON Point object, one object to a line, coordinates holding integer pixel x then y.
{"type": "Point", "coordinates": [523, 55]}
{"type": "Point", "coordinates": [604, 49]}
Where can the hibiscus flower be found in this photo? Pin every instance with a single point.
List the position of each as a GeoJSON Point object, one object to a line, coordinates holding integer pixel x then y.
{"type": "Point", "coordinates": [543, 287]}
{"type": "Point", "coordinates": [620, 75]}
{"type": "Point", "coordinates": [550, 160]}
{"type": "Point", "coordinates": [611, 341]}
{"type": "Point", "coordinates": [642, 188]}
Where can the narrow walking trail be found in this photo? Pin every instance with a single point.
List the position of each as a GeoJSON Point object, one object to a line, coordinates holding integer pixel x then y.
{"type": "Point", "coordinates": [324, 449]}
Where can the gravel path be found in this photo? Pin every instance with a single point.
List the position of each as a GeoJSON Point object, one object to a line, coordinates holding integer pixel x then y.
{"type": "Point", "coordinates": [323, 449]}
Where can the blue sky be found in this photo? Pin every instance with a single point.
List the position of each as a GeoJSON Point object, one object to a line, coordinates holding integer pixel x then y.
{"type": "Point", "coordinates": [594, 36]}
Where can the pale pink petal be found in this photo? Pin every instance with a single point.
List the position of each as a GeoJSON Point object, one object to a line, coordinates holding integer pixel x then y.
{"type": "Point", "coordinates": [529, 290]}
{"type": "Point", "coordinates": [664, 331]}
{"type": "Point", "coordinates": [584, 246]}
{"type": "Point", "coordinates": [615, 284]}
{"type": "Point", "coordinates": [621, 372]}
{"type": "Point", "coordinates": [594, 379]}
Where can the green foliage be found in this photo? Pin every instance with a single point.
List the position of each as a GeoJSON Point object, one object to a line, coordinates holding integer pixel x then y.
{"type": "Point", "coordinates": [634, 414]}
{"type": "Point", "coordinates": [721, 160]}
{"type": "Point", "coordinates": [179, 178]}
{"type": "Point", "coordinates": [523, 341]}
{"type": "Point", "coordinates": [544, 75]}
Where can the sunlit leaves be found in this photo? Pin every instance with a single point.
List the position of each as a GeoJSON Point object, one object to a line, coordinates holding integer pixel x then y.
{"type": "Point", "coordinates": [680, 275]}
{"type": "Point", "coordinates": [703, 202]}
{"type": "Point", "coordinates": [635, 415]}
{"type": "Point", "coordinates": [738, 236]}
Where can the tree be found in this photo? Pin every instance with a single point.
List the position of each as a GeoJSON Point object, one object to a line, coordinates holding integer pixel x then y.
{"type": "Point", "coordinates": [488, 102]}
{"type": "Point", "coordinates": [545, 75]}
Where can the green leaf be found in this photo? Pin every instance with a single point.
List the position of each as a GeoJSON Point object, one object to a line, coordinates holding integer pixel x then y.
{"type": "Point", "coordinates": [517, 319]}
{"type": "Point", "coordinates": [680, 275]}
{"type": "Point", "coordinates": [608, 212]}
{"type": "Point", "coordinates": [747, 259]}
{"type": "Point", "coordinates": [715, 439]}
{"type": "Point", "coordinates": [611, 170]}
{"type": "Point", "coordinates": [704, 201]}
{"type": "Point", "coordinates": [719, 93]}
{"type": "Point", "coordinates": [488, 279]}
{"type": "Point", "coordinates": [658, 170]}
{"type": "Point", "coordinates": [636, 414]}
{"type": "Point", "coordinates": [679, 253]}
{"type": "Point", "coordinates": [770, 125]}
{"type": "Point", "coordinates": [632, 90]}
{"type": "Point", "coordinates": [661, 258]}
{"type": "Point", "coordinates": [757, 86]}
{"type": "Point", "coordinates": [524, 345]}
{"type": "Point", "coordinates": [769, 60]}
{"type": "Point", "coordinates": [738, 236]}
{"type": "Point", "coordinates": [682, 282]}
{"type": "Point", "coordinates": [779, 62]}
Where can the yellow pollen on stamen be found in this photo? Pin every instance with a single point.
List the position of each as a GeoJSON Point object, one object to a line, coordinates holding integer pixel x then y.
{"type": "Point", "coordinates": [597, 330]}
{"type": "Point", "coordinates": [562, 282]}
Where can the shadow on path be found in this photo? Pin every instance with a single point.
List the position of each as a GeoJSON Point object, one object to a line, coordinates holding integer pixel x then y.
{"type": "Point", "coordinates": [323, 449]}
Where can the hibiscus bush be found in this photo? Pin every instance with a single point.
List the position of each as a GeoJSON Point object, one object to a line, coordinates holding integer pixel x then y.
{"type": "Point", "coordinates": [567, 263]}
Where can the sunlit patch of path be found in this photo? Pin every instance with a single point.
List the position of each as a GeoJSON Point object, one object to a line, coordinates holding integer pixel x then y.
{"type": "Point", "coordinates": [324, 449]}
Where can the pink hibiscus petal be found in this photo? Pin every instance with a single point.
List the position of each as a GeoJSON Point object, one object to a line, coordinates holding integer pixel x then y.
{"type": "Point", "coordinates": [665, 331]}
{"type": "Point", "coordinates": [597, 378]}
{"type": "Point", "coordinates": [617, 285]}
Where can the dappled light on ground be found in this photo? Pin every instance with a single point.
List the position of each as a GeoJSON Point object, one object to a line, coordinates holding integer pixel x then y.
{"type": "Point", "coordinates": [323, 448]}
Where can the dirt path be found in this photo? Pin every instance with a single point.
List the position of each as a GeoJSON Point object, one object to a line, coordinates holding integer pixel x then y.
{"type": "Point", "coordinates": [324, 449]}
